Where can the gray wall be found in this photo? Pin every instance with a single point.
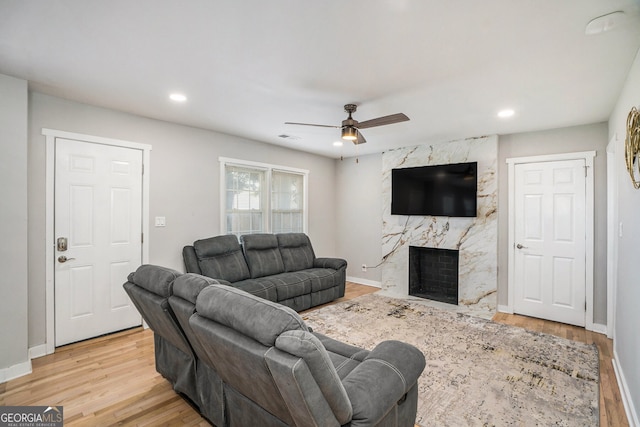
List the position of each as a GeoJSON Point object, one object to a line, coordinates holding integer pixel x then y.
{"type": "Point", "coordinates": [360, 215]}
{"type": "Point", "coordinates": [627, 317]}
{"type": "Point", "coordinates": [566, 140]}
{"type": "Point", "coordinates": [184, 180]}
{"type": "Point", "coordinates": [13, 223]}
{"type": "Point", "coordinates": [360, 210]}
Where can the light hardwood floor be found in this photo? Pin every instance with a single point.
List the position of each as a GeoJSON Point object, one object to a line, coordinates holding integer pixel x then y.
{"type": "Point", "coordinates": [111, 380]}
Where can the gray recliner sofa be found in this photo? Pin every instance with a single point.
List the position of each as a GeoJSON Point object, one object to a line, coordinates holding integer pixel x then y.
{"type": "Point", "coordinates": [257, 363]}
{"type": "Point", "coordinates": [149, 288]}
{"type": "Point", "coordinates": [279, 267]}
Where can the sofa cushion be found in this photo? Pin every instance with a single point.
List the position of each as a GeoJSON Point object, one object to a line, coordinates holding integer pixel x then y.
{"type": "Point", "coordinates": [261, 287]}
{"type": "Point", "coordinates": [189, 285]}
{"type": "Point", "coordinates": [255, 317]}
{"type": "Point", "coordinates": [221, 257]}
{"type": "Point", "coordinates": [296, 251]}
{"type": "Point", "coordinates": [306, 346]}
{"type": "Point", "coordinates": [155, 279]}
{"type": "Point", "coordinates": [345, 357]}
{"type": "Point", "coordinates": [262, 254]}
{"type": "Point", "coordinates": [289, 285]}
{"type": "Point", "coordinates": [278, 287]}
{"type": "Point", "coordinates": [320, 278]}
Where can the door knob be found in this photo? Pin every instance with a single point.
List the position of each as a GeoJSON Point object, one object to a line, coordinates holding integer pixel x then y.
{"type": "Point", "coordinates": [63, 259]}
{"type": "Point", "coordinates": [519, 246]}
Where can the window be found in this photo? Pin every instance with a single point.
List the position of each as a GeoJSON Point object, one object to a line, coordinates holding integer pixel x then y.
{"type": "Point", "coordinates": [287, 198]}
{"type": "Point", "coordinates": [261, 198]}
{"type": "Point", "coordinates": [244, 201]}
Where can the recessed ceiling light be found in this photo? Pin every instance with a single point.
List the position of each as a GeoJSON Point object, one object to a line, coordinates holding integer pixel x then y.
{"type": "Point", "coordinates": [337, 144]}
{"type": "Point", "coordinates": [178, 97]}
{"type": "Point", "coordinates": [506, 113]}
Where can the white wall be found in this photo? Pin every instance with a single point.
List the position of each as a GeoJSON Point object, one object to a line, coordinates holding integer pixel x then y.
{"type": "Point", "coordinates": [184, 181]}
{"type": "Point", "coordinates": [566, 140]}
{"type": "Point", "coordinates": [14, 356]}
{"type": "Point", "coordinates": [626, 336]}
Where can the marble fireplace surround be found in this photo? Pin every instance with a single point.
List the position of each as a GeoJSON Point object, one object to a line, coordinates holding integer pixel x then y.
{"type": "Point", "coordinates": [476, 239]}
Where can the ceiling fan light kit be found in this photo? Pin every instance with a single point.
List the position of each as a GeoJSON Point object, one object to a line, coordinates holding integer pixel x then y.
{"type": "Point", "coordinates": [349, 133]}
{"type": "Point", "coordinates": [350, 128]}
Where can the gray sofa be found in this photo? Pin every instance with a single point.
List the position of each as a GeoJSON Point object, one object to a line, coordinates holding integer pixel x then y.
{"type": "Point", "coordinates": [244, 360]}
{"type": "Point", "coordinates": [279, 267]}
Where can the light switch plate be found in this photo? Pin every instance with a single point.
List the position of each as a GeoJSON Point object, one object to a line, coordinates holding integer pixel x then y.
{"type": "Point", "coordinates": [160, 221]}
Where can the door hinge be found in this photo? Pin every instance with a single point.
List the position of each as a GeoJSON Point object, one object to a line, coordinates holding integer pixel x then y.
{"type": "Point", "coordinates": [143, 169]}
{"type": "Point", "coordinates": [141, 237]}
{"type": "Point", "coordinates": [586, 170]}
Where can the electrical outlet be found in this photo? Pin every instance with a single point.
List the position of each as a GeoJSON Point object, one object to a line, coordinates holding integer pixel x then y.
{"type": "Point", "coordinates": [364, 267]}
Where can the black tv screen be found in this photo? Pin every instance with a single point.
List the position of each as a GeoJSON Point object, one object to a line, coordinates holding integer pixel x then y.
{"type": "Point", "coordinates": [442, 190]}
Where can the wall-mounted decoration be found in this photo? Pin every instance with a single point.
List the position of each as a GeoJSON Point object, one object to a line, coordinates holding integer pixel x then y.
{"type": "Point", "coordinates": [632, 145]}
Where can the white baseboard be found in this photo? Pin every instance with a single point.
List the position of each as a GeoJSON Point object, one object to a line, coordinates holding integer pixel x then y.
{"type": "Point", "coordinates": [505, 309]}
{"type": "Point", "coordinates": [38, 351]}
{"type": "Point", "coordinates": [367, 282]}
{"type": "Point", "coordinates": [629, 409]}
{"type": "Point", "coordinates": [15, 371]}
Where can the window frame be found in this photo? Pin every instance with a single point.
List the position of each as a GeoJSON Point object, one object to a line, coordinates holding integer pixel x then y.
{"type": "Point", "coordinates": [268, 170]}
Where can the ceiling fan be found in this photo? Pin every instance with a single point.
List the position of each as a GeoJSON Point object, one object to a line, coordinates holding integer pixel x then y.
{"type": "Point", "coordinates": [351, 128]}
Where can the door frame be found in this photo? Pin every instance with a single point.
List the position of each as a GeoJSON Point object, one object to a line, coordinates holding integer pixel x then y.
{"type": "Point", "coordinates": [50, 140]}
{"type": "Point", "coordinates": [613, 234]}
{"type": "Point", "coordinates": [588, 157]}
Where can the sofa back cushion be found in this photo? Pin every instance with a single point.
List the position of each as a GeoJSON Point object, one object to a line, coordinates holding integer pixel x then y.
{"type": "Point", "coordinates": [155, 279]}
{"type": "Point", "coordinates": [305, 345]}
{"type": "Point", "coordinates": [238, 331]}
{"type": "Point", "coordinates": [149, 288]}
{"type": "Point", "coordinates": [262, 254]}
{"type": "Point", "coordinates": [221, 257]}
{"type": "Point", "coordinates": [255, 317]}
{"type": "Point", "coordinates": [296, 251]}
{"type": "Point", "coordinates": [188, 286]}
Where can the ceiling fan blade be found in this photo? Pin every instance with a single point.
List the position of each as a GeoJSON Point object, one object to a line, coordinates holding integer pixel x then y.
{"type": "Point", "coordinates": [360, 139]}
{"type": "Point", "coordinates": [311, 124]}
{"type": "Point", "coordinates": [381, 121]}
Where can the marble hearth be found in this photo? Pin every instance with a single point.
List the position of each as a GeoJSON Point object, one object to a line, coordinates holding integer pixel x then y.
{"type": "Point", "coordinates": [475, 239]}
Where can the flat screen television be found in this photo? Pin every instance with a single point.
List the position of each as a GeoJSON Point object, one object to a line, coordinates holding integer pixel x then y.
{"type": "Point", "coordinates": [441, 190]}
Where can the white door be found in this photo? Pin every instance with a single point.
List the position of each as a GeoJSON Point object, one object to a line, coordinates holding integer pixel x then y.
{"type": "Point", "coordinates": [98, 230]}
{"type": "Point", "coordinates": [550, 243]}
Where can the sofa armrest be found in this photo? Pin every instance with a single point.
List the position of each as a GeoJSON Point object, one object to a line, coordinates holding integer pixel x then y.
{"type": "Point", "coordinates": [382, 379]}
{"type": "Point", "coordinates": [334, 263]}
{"type": "Point", "coordinates": [191, 260]}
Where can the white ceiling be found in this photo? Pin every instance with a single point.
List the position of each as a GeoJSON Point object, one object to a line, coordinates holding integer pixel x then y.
{"type": "Point", "coordinates": [247, 66]}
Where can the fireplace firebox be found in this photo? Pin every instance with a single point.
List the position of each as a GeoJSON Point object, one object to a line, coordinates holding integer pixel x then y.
{"type": "Point", "coordinates": [433, 274]}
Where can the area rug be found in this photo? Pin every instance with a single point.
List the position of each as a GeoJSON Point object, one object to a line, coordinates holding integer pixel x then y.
{"type": "Point", "coordinates": [478, 372]}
